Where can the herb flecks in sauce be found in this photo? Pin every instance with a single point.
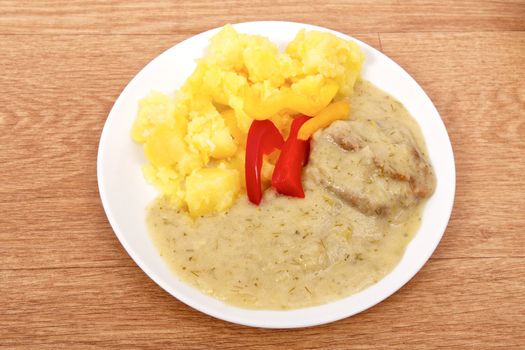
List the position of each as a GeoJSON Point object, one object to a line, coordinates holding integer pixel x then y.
{"type": "Point", "coordinates": [288, 252]}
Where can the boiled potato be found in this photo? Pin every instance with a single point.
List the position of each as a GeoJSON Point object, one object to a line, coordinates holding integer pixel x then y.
{"type": "Point", "coordinates": [164, 146]}
{"type": "Point", "coordinates": [158, 109]}
{"type": "Point", "coordinates": [210, 136]}
{"type": "Point", "coordinates": [211, 190]}
{"type": "Point", "coordinates": [326, 54]}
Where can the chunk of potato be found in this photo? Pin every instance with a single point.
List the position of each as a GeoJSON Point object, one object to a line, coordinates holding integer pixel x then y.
{"type": "Point", "coordinates": [209, 135]}
{"type": "Point", "coordinates": [326, 54]}
{"type": "Point", "coordinates": [158, 109]}
{"type": "Point", "coordinates": [211, 190]}
{"type": "Point", "coordinates": [164, 147]}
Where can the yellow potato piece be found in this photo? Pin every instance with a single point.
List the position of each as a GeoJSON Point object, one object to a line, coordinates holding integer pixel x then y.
{"type": "Point", "coordinates": [211, 190]}
{"type": "Point", "coordinates": [262, 63]}
{"type": "Point", "coordinates": [156, 109]}
{"type": "Point", "coordinates": [328, 55]}
{"type": "Point", "coordinates": [237, 163]}
{"type": "Point", "coordinates": [231, 122]}
{"type": "Point", "coordinates": [209, 135]}
{"type": "Point", "coordinates": [164, 147]}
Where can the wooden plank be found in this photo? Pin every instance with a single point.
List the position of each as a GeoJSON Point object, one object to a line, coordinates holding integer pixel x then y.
{"type": "Point", "coordinates": [475, 81]}
{"type": "Point", "coordinates": [190, 17]}
{"type": "Point", "coordinates": [463, 303]}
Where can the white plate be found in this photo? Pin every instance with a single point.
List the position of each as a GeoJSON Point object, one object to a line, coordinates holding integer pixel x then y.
{"type": "Point", "coordinates": [125, 193]}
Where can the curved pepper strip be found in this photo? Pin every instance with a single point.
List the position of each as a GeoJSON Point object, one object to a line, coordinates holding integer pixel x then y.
{"type": "Point", "coordinates": [286, 178]}
{"type": "Point", "coordinates": [331, 113]}
{"type": "Point", "coordinates": [261, 108]}
{"type": "Point", "coordinates": [263, 138]}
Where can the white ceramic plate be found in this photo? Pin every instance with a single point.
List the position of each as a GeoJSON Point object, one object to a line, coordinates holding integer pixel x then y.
{"type": "Point", "coordinates": [125, 193]}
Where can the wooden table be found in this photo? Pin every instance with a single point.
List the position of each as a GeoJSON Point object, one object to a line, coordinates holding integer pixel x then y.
{"type": "Point", "coordinates": [66, 282]}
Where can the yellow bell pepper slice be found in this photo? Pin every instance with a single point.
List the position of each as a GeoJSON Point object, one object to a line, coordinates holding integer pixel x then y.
{"type": "Point", "coordinates": [332, 112]}
{"type": "Point", "coordinates": [286, 99]}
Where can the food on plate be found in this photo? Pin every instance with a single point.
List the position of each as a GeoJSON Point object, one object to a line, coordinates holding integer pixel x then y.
{"type": "Point", "coordinates": [365, 185]}
{"type": "Point", "coordinates": [286, 180]}
{"type": "Point", "coordinates": [241, 78]}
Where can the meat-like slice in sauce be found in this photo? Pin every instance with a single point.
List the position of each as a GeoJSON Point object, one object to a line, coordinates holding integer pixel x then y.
{"type": "Point", "coordinates": [373, 164]}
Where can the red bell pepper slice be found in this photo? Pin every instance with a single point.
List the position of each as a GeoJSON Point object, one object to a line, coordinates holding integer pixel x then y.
{"type": "Point", "coordinates": [263, 138]}
{"type": "Point", "coordinates": [286, 178]}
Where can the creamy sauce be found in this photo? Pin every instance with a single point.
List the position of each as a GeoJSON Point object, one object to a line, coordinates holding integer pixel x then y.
{"type": "Point", "coordinates": [289, 253]}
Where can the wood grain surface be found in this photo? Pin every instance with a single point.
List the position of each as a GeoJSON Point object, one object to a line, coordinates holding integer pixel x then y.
{"type": "Point", "coordinates": [66, 282]}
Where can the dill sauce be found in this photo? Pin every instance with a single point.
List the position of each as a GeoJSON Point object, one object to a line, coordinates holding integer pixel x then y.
{"type": "Point", "coordinates": [288, 253]}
